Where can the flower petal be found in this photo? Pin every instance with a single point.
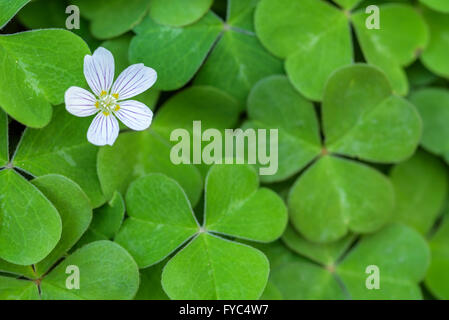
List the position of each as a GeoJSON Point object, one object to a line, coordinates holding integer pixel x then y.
{"type": "Point", "coordinates": [134, 80]}
{"type": "Point", "coordinates": [80, 102]}
{"type": "Point", "coordinates": [134, 115]}
{"type": "Point", "coordinates": [99, 70]}
{"type": "Point", "coordinates": [103, 130]}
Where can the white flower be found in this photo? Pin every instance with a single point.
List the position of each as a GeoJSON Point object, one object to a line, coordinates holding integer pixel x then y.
{"type": "Point", "coordinates": [109, 100]}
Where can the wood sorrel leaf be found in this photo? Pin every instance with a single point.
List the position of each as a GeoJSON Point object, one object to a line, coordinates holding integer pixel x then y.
{"type": "Point", "coordinates": [313, 35]}
{"type": "Point", "coordinates": [74, 209]}
{"type": "Point", "coordinates": [177, 13]}
{"type": "Point", "coordinates": [235, 205]}
{"type": "Point", "coordinates": [175, 53]}
{"type": "Point", "coordinates": [160, 219]}
{"type": "Point", "coordinates": [434, 56]}
{"type": "Point", "coordinates": [231, 66]}
{"type": "Point", "coordinates": [135, 154]}
{"type": "Point", "coordinates": [112, 18]}
{"type": "Point", "coordinates": [325, 254]}
{"type": "Point", "coordinates": [390, 47]}
{"type": "Point", "coordinates": [9, 8]}
{"type": "Point", "coordinates": [106, 271]}
{"type": "Point", "coordinates": [37, 68]}
{"type": "Point", "coordinates": [432, 105]}
{"type": "Point", "coordinates": [402, 257]}
{"type": "Point", "coordinates": [335, 196]}
{"type": "Point", "coordinates": [4, 153]}
{"type": "Point", "coordinates": [218, 269]}
{"type": "Point", "coordinates": [420, 185]}
{"type": "Point", "coordinates": [274, 104]}
{"type": "Point", "coordinates": [62, 148]}
{"type": "Point", "coordinates": [437, 278]}
{"type": "Point", "coordinates": [362, 118]}
{"type": "Point", "coordinates": [15, 289]}
{"type": "Point", "coordinates": [30, 224]}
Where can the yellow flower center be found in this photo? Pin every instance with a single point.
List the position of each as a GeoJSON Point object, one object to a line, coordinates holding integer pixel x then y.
{"type": "Point", "coordinates": [107, 103]}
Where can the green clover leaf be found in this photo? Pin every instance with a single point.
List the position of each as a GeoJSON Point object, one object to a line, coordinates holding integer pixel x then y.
{"type": "Point", "coordinates": [361, 118]}
{"type": "Point", "coordinates": [37, 68]}
{"type": "Point", "coordinates": [435, 55]}
{"type": "Point", "coordinates": [171, 51]}
{"type": "Point", "coordinates": [368, 111]}
{"type": "Point", "coordinates": [9, 8]}
{"type": "Point", "coordinates": [402, 256]}
{"type": "Point", "coordinates": [234, 206]}
{"type": "Point", "coordinates": [420, 185]}
{"type": "Point", "coordinates": [431, 104]}
{"type": "Point", "coordinates": [400, 253]}
{"type": "Point", "coordinates": [62, 148]}
{"type": "Point", "coordinates": [30, 224]}
{"type": "Point", "coordinates": [176, 13]}
{"type": "Point", "coordinates": [16, 289]}
{"type": "Point", "coordinates": [106, 272]}
{"type": "Point", "coordinates": [74, 209]}
{"type": "Point", "coordinates": [231, 66]}
{"type": "Point", "coordinates": [335, 196]}
{"type": "Point", "coordinates": [4, 153]}
{"type": "Point", "coordinates": [112, 18]}
{"type": "Point", "coordinates": [437, 278]}
{"type": "Point", "coordinates": [314, 37]}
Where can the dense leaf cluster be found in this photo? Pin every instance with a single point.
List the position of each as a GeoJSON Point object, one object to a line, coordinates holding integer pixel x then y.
{"type": "Point", "coordinates": [362, 180]}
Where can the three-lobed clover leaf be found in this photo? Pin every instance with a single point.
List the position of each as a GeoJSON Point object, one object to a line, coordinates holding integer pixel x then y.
{"type": "Point", "coordinates": [361, 118]}
{"type": "Point", "coordinates": [399, 254]}
{"type": "Point", "coordinates": [37, 68]}
{"type": "Point", "coordinates": [106, 270]}
{"type": "Point", "coordinates": [161, 220]}
{"type": "Point", "coordinates": [314, 38]}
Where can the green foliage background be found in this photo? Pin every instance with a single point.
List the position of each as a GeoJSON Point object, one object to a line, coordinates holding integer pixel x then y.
{"type": "Point", "coordinates": [363, 120]}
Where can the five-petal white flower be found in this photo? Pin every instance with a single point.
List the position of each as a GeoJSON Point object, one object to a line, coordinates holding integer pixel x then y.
{"type": "Point", "coordinates": [110, 101]}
